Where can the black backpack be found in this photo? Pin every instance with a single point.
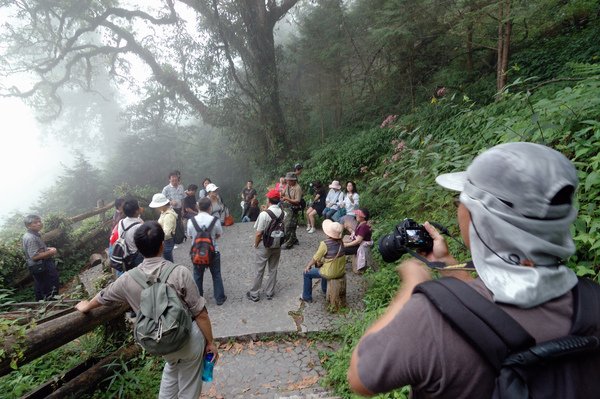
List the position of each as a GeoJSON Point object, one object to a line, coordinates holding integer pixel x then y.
{"type": "Point", "coordinates": [560, 368]}
{"type": "Point", "coordinates": [179, 235]}
{"type": "Point", "coordinates": [121, 257]}
{"type": "Point", "coordinates": [202, 251]}
{"type": "Point", "coordinates": [275, 232]}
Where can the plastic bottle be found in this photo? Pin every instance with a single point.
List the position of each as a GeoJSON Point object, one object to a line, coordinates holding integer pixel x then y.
{"type": "Point", "coordinates": [207, 373]}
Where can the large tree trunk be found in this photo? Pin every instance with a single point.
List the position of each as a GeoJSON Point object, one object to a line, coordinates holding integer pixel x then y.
{"type": "Point", "coordinates": [503, 48]}
{"type": "Point", "coordinates": [259, 25]}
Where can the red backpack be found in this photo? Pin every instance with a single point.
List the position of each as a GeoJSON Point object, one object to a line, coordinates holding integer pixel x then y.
{"type": "Point", "coordinates": [202, 251]}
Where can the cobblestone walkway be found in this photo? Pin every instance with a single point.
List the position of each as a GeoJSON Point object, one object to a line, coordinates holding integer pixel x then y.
{"type": "Point", "coordinates": [277, 367]}
{"type": "Point", "coordinates": [268, 369]}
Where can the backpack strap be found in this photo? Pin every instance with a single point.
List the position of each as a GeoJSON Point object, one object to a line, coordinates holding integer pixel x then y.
{"type": "Point", "coordinates": [166, 272]}
{"type": "Point", "coordinates": [586, 307]}
{"type": "Point", "coordinates": [142, 279]}
{"type": "Point", "coordinates": [273, 217]}
{"type": "Point", "coordinates": [196, 227]}
{"type": "Point", "coordinates": [128, 227]}
{"type": "Point", "coordinates": [139, 277]}
{"type": "Point", "coordinates": [212, 224]}
{"type": "Point", "coordinates": [490, 330]}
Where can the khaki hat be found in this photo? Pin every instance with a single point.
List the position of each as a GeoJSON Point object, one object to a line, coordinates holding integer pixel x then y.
{"type": "Point", "coordinates": [291, 176]}
{"type": "Point", "coordinates": [332, 229]}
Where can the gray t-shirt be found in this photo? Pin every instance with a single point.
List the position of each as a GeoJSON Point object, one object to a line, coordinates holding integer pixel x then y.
{"type": "Point", "coordinates": [420, 349]}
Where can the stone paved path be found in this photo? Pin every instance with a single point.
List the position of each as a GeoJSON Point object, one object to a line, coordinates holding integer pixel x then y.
{"type": "Point", "coordinates": [240, 317]}
{"type": "Point", "coordinates": [271, 369]}
{"type": "Point", "coordinates": [279, 367]}
{"type": "Point", "coordinates": [268, 369]}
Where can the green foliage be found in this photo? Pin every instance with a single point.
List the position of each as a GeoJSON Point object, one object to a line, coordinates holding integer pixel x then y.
{"type": "Point", "coordinates": [43, 369]}
{"type": "Point", "coordinates": [137, 378]}
{"type": "Point", "coordinates": [444, 137]}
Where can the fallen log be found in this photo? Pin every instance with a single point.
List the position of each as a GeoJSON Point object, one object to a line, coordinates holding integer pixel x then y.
{"type": "Point", "coordinates": [53, 334]}
{"type": "Point", "coordinates": [53, 234]}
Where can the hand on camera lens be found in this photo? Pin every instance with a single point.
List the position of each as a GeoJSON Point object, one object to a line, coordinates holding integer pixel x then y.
{"type": "Point", "coordinates": [439, 253]}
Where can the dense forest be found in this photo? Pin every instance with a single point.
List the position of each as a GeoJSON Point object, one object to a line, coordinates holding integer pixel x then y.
{"type": "Point", "coordinates": [389, 93]}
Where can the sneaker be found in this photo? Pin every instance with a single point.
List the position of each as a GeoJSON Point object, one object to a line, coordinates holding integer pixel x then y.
{"type": "Point", "coordinates": [304, 300]}
{"type": "Point", "coordinates": [308, 228]}
{"type": "Point", "coordinates": [269, 297]}
{"type": "Point", "coordinates": [311, 231]}
{"type": "Point", "coordinates": [253, 299]}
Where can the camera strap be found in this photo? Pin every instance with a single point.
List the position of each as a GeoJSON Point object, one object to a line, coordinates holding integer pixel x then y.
{"type": "Point", "coordinates": [468, 266]}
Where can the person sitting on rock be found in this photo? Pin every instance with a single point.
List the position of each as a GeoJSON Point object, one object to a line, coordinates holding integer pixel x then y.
{"type": "Point", "coordinates": [329, 262]}
{"type": "Point", "coordinates": [362, 232]}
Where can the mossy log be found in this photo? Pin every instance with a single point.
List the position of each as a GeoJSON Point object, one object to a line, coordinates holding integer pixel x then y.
{"type": "Point", "coordinates": [53, 334]}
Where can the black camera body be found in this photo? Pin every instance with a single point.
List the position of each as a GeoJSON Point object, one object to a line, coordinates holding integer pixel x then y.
{"type": "Point", "coordinates": [407, 234]}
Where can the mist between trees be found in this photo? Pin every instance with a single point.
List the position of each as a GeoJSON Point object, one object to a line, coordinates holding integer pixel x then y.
{"type": "Point", "coordinates": [238, 90]}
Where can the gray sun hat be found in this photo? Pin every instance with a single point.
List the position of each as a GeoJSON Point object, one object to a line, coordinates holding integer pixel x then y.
{"type": "Point", "coordinates": [534, 180]}
{"type": "Point", "coordinates": [520, 202]}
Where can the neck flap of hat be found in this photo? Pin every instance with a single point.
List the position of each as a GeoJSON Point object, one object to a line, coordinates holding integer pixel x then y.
{"type": "Point", "coordinates": [502, 238]}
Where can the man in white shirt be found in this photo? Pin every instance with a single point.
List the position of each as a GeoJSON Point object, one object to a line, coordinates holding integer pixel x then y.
{"type": "Point", "coordinates": [204, 219]}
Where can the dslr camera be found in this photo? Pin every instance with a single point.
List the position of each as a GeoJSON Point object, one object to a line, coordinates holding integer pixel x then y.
{"type": "Point", "coordinates": [407, 234]}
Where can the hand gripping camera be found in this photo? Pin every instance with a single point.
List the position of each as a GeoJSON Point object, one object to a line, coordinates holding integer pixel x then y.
{"type": "Point", "coordinates": [408, 234]}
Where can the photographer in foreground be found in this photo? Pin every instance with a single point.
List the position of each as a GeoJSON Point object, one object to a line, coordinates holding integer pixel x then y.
{"type": "Point", "coordinates": [516, 207]}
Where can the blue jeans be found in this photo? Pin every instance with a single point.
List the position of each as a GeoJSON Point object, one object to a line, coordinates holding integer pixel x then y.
{"type": "Point", "coordinates": [328, 213]}
{"type": "Point", "coordinates": [168, 249]}
{"type": "Point", "coordinates": [246, 219]}
{"type": "Point", "coordinates": [215, 271]}
{"type": "Point", "coordinates": [307, 289]}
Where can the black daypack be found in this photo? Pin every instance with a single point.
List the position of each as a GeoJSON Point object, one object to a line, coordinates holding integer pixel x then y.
{"type": "Point", "coordinates": [560, 368]}
{"type": "Point", "coordinates": [121, 257]}
{"type": "Point", "coordinates": [274, 233]}
{"type": "Point", "coordinates": [179, 235]}
{"type": "Point", "coordinates": [202, 251]}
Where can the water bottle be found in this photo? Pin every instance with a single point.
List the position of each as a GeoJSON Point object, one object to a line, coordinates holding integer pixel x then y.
{"type": "Point", "coordinates": [207, 373]}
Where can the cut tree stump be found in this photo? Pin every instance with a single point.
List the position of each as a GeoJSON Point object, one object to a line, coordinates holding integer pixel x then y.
{"type": "Point", "coordinates": [336, 293]}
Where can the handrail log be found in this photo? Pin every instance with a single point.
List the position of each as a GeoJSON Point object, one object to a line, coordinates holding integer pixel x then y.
{"type": "Point", "coordinates": [55, 333]}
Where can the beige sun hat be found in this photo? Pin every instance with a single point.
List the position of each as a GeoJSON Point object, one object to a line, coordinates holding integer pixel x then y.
{"type": "Point", "coordinates": [158, 200]}
{"type": "Point", "coordinates": [335, 184]}
{"type": "Point", "coordinates": [332, 229]}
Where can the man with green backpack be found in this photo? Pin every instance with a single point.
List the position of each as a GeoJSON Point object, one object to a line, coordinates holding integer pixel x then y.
{"type": "Point", "coordinates": [172, 320]}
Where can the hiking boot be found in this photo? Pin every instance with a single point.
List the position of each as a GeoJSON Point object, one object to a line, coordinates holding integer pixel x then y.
{"type": "Point", "coordinates": [253, 299]}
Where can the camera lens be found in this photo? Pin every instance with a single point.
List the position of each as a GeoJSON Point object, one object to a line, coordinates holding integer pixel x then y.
{"type": "Point", "coordinates": [389, 249]}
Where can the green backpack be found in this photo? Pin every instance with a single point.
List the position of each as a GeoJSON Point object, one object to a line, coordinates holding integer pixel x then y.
{"type": "Point", "coordinates": [164, 322]}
